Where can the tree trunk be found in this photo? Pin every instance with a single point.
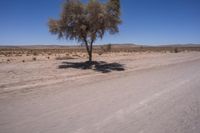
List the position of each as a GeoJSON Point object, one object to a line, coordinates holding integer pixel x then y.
{"type": "Point", "coordinates": [90, 52]}
{"type": "Point", "coordinates": [90, 57]}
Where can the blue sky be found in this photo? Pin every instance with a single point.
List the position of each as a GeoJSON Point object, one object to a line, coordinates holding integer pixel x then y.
{"type": "Point", "coordinates": [149, 22]}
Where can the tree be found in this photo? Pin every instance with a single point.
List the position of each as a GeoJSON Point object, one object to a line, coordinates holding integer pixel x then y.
{"type": "Point", "coordinates": [86, 22]}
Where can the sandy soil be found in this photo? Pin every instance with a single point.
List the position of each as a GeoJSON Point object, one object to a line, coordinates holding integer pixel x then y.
{"type": "Point", "coordinates": [21, 76]}
{"type": "Point", "coordinates": [154, 93]}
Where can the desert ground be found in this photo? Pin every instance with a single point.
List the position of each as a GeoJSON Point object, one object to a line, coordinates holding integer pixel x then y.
{"type": "Point", "coordinates": [123, 92]}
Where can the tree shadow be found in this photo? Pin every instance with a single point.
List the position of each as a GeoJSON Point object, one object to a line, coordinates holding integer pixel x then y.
{"type": "Point", "coordinates": [99, 66]}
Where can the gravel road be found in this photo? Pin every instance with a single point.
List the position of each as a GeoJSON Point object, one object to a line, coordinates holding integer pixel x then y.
{"type": "Point", "coordinates": [160, 99]}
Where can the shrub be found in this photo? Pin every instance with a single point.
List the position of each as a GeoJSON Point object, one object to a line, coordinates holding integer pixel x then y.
{"type": "Point", "coordinates": [35, 53]}
{"type": "Point", "coordinates": [64, 58]}
{"type": "Point", "coordinates": [106, 48]}
{"type": "Point", "coordinates": [175, 50]}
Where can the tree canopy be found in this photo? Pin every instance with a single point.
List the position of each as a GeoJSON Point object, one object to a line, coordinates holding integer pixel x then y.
{"type": "Point", "coordinates": [86, 22]}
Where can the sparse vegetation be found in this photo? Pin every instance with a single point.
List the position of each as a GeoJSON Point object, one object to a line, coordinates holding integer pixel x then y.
{"type": "Point", "coordinates": [175, 50]}
{"type": "Point", "coordinates": [106, 48]}
{"type": "Point", "coordinates": [64, 58]}
{"type": "Point", "coordinates": [34, 59]}
{"type": "Point", "coordinates": [10, 52]}
{"type": "Point", "coordinates": [35, 53]}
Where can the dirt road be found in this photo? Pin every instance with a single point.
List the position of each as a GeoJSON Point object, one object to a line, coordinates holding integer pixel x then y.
{"type": "Point", "coordinates": [163, 98]}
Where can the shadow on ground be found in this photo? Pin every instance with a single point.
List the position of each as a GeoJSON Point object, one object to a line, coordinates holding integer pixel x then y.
{"type": "Point", "coordinates": [99, 66]}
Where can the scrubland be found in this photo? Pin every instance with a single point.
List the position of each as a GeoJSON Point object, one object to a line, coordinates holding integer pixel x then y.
{"type": "Point", "coordinates": [148, 90]}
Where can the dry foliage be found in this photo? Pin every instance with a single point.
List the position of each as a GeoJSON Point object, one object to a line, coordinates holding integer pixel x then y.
{"type": "Point", "coordinates": [86, 22]}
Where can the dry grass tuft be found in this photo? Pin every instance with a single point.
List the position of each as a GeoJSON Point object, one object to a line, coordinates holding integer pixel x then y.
{"type": "Point", "coordinates": [64, 58]}
{"type": "Point", "coordinates": [34, 59]}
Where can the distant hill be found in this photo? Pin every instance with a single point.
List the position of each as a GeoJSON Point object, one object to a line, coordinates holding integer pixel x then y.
{"type": "Point", "coordinates": [125, 45]}
{"type": "Point", "coordinates": [37, 46]}
{"type": "Point", "coordinates": [181, 45]}
{"type": "Point", "coordinates": [64, 46]}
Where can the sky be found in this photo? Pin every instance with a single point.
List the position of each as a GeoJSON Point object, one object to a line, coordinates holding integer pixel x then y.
{"type": "Point", "coordinates": [147, 22]}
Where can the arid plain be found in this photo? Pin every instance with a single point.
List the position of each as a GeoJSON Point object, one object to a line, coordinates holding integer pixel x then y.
{"type": "Point", "coordinates": [146, 92]}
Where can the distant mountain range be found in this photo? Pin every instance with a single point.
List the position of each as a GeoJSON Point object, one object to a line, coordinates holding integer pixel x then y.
{"type": "Point", "coordinates": [113, 45]}
{"type": "Point", "coordinates": [181, 45]}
